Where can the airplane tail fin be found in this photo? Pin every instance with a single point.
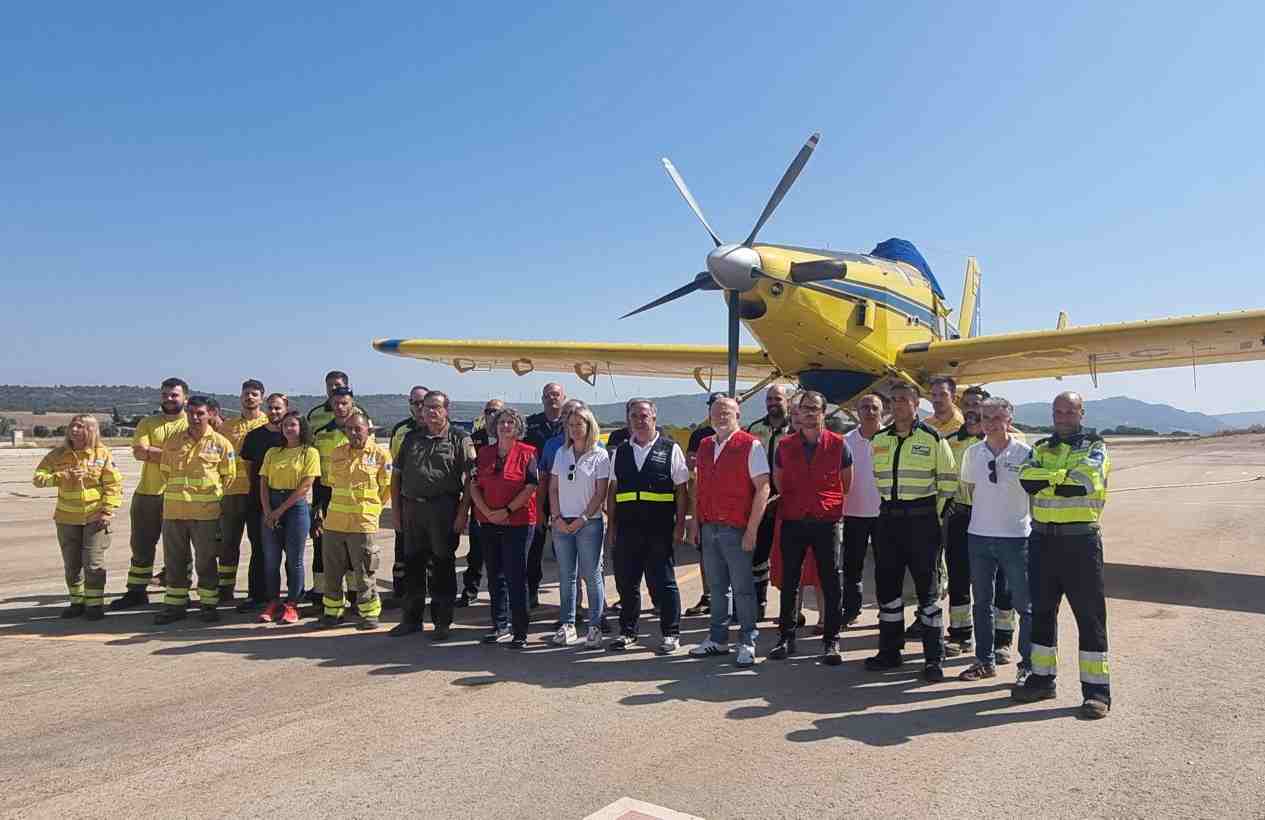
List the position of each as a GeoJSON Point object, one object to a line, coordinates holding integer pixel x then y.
{"type": "Point", "coordinates": [969, 310]}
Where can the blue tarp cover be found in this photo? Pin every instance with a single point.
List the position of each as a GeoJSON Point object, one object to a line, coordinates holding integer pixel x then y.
{"type": "Point", "coordinates": [902, 250]}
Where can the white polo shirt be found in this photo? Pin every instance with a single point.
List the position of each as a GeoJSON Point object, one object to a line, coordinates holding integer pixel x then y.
{"type": "Point", "coordinates": [1000, 510]}
{"type": "Point", "coordinates": [576, 486]}
{"type": "Point", "coordinates": [757, 461]}
{"type": "Point", "coordinates": [863, 499]}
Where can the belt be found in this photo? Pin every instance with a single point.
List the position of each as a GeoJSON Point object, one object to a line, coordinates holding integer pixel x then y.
{"type": "Point", "coordinates": [426, 499]}
{"type": "Point", "coordinates": [918, 507]}
{"type": "Point", "coordinates": [643, 495]}
{"type": "Point", "coordinates": [1074, 528]}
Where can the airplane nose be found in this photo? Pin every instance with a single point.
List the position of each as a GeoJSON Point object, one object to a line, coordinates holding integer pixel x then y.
{"type": "Point", "coordinates": [730, 267]}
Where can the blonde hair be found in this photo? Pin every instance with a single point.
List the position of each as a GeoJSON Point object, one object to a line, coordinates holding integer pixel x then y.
{"type": "Point", "coordinates": [590, 423]}
{"type": "Point", "coordinates": [93, 426]}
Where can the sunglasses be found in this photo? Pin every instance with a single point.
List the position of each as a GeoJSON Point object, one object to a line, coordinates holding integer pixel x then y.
{"type": "Point", "coordinates": [571, 473]}
{"type": "Point", "coordinates": [499, 466]}
{"type": "Point", "coordinates": [992, 471]}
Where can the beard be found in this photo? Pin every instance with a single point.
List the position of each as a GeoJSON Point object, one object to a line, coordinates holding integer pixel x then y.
{"type": "Point", "coordinates": [971, 418]}
{"type": "Point", "coordinates": [171, 408]}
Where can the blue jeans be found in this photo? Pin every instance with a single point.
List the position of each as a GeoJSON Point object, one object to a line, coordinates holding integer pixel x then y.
{"type": "Point", "coordinates": [290, 535]}
{"type": "Point", "coordinates": [1010, 555]}
{"type": "Point", "coordinates": [505, 559]}
{"type": "Point", "coordinates": [582, 548]}
{"type": "Point", "coordinates": [729, 569]}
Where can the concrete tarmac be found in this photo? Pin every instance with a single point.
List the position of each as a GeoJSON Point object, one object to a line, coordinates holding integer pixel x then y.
{"type": "Point", "coordinates": [128, 719]}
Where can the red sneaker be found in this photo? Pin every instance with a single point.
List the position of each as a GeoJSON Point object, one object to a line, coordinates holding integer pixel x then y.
{"type": "Point", "coordinates": [291, 614]}
{"type": "Point", "coordinates": [270, 612]}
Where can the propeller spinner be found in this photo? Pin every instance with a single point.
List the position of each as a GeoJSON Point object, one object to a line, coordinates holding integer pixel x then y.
{"type": "Point", "coordinates": [731, 267]}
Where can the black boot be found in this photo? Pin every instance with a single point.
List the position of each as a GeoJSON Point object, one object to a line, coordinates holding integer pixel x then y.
{"type": "Point", "coordinates": [72, 611]}
{"type": "Point", "coordinates": [132, 598]}
{"type": "Point", "coordinates": [703, 607]}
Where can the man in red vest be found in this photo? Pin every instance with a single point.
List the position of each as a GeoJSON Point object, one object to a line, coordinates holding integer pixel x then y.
{"type": "Point", "coordinates": [813, 471]}
{"type": "Point", "coordinates": [733, 489]}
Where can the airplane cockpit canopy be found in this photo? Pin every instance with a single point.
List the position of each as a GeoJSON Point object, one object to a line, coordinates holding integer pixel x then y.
{"type": "Point", "coordinates": [902, 250]}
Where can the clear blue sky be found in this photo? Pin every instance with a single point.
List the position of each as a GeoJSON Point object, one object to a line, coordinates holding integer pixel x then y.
{"type": "Point", "coordinates": [261, 189]}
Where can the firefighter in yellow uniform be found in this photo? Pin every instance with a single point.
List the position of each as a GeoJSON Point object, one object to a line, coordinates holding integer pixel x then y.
{"type": "Point", "coordinates": [89, 490]}
{"type": "Point", "coordinates": [146, 511]}
{"type": "Point", "coordinates": [237, 502]}
{"type": "Point", "coordinates": [197, 465]}
{"type": "Point", "coordinates": [916, 477]}
{"type": "Point", "coordinates": [327, 439]}
{"type": "Point", "coordinates": [360, 478]}
{"type": "Point", "coordinates": [1066, 475]}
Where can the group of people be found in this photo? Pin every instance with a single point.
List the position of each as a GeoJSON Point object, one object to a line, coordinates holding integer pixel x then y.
{"type": "Point", "coordinates": [1017, 527]}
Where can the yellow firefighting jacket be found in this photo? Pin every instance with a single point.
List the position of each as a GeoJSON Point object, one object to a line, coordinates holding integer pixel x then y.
{"type": "Point", "coordinates": [235, 430]}
{"type": "Point", "coordinates": [361, 481]}
{"type": "Point", "coordinates": [197, 470]}
{"type": "Point", "coordinates": [78, 499]}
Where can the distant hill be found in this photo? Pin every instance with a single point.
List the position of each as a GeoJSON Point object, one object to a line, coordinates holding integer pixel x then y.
{"type": "Point", "coordinates": [1121, 410]}
{"type": "Point", "coordinates": [681, 410]}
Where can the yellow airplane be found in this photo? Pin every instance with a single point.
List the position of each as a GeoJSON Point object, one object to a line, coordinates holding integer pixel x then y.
{"type": "Point", "coordinates": [847, 323]}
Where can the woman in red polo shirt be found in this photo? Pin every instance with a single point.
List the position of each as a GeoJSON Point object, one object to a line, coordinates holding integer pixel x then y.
{"type": "Point", "coordinates": [504, 495]}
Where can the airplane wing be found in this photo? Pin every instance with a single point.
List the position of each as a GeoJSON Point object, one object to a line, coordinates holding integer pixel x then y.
{"type": "Point", "coordinates": [1093, 349]}
{"type": "Point", "coordinates": [588, 360]}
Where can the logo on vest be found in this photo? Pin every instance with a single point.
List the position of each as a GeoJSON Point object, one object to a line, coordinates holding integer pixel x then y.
{"type": "Point", "coordinates": [920, 450]}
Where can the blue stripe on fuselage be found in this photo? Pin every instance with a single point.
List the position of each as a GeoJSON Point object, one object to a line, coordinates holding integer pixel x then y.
{"type": "Point", "coordinates": [885, 298]}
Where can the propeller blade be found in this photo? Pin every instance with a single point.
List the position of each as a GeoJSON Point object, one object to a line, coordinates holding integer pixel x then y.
{"type": "Point", "coordinates": [689, 198]}
{"type": "Point", "coordinates": [788, 179]}
{"type": "Point", "coordinates": [732, 298]}
{"type": "Point", "coordinates": [702, 281]}
{"type": "Point", "coordinates": [819, 270]}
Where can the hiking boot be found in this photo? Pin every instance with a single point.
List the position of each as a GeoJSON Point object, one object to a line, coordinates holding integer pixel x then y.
{"type": "Point", "coordinates": [883, 661]}
{"type": "Point", "coordinates": [170, 614]}
{"type": "Point", "coordinates": [129, 599]}
{"type": "Point", "coordinates": [784, 649]}
{"type": "Point", "coordinates": [978, 671]}
{"type": "Point", "coordinates": [1031, 693]}
{"type": "Point", "coordinates": [1001, 655]}
{"type": "Point", "coordinates": [209, 614]}
{"type": "Point", "coordinates": [72, 611]}
{"type": "Point", "coordinates": [954, 649]}
{"type": "Point", "coordinates": [329, 622]}
{"type": "Point", "coordinates": [227, 598]}
{"type": "Point", "coordinates": [830, 655]}
{"type": "Point", "coordinates": [367, 624]}
{"type": "Point", "coordinates": [93, 613]}
{"type": "Point", "coordinates": [933, 673]}
{"type": "Point", "coordinates": [1094, 709]}
{"type": "Point", "coordinates": [441, 632]}
{"type": "Point", "coordinates": [405, 628]}
{"type": "Point", "coordinates": [250, 605]}
{"type": "Point", "coordinates": [703, 607]}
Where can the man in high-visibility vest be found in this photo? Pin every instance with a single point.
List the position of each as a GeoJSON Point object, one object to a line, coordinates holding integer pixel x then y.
{"type": "Point", "coordinates": [327, 438]}
{"type": "Point", "coordinates": [1066, 475]}
{"type": "Point", "coordinates": [197, 464]}
{"type": "Point", "coordinates": [236, 506]}
{"type": "Point", "coordinates": [916, 477]}
{"type": "Point", "coordinates": [360, 478]}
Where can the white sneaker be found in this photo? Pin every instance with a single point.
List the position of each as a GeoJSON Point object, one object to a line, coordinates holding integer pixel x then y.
{"type": "Point", "coordinates": [709, 647]}
{"type": "Point", "coordinates": [1021, 675]}
{"type": "Point", "coordinates": [594, 640]}
{"type": "Point", "coordinates": [746, 655]}
{"type": "Point", "coordinates": [671, 643]}
{"type": "Point", "coordinates": [565, 636]}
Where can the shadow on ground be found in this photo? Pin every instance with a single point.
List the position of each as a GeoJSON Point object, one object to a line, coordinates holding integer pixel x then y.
{"type": "Point", "coordinates": [1206, 589]}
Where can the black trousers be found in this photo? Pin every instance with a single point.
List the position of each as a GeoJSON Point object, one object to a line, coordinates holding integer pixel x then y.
{"type": "Point", "coordinates": [646, 552]}
{"type": "Point", "coordinates": [506, 551]}
{"type": "Point", "coordinates": [397, 567]}
{"type": "Point", "coordinates": [958, 561]}
{"type": "Point", "coordinates": [474, 559]}
{"type": "Point", "coordinates": [909, 540]}
{"type": "Point", "coordinates": [256, 588]}
{"type": "Point", "coordinates": [822, 537]}
{"type": "Point", "coordinates": [320, 503]}
{"type": "Point", "coordinates": [1069, 565]}
{"type": "Point", "coordinates": [535, 560]}
{"type": "Point", "coordinates": [859, 536]}
{"type": "Point", "coordinates": [430, 546]}
{"type": "Point", "coordinates": [763, 549]}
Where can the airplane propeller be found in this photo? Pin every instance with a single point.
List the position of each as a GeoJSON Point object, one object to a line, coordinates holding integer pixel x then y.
{"type": "Point", "coordinates": [734, 268]}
